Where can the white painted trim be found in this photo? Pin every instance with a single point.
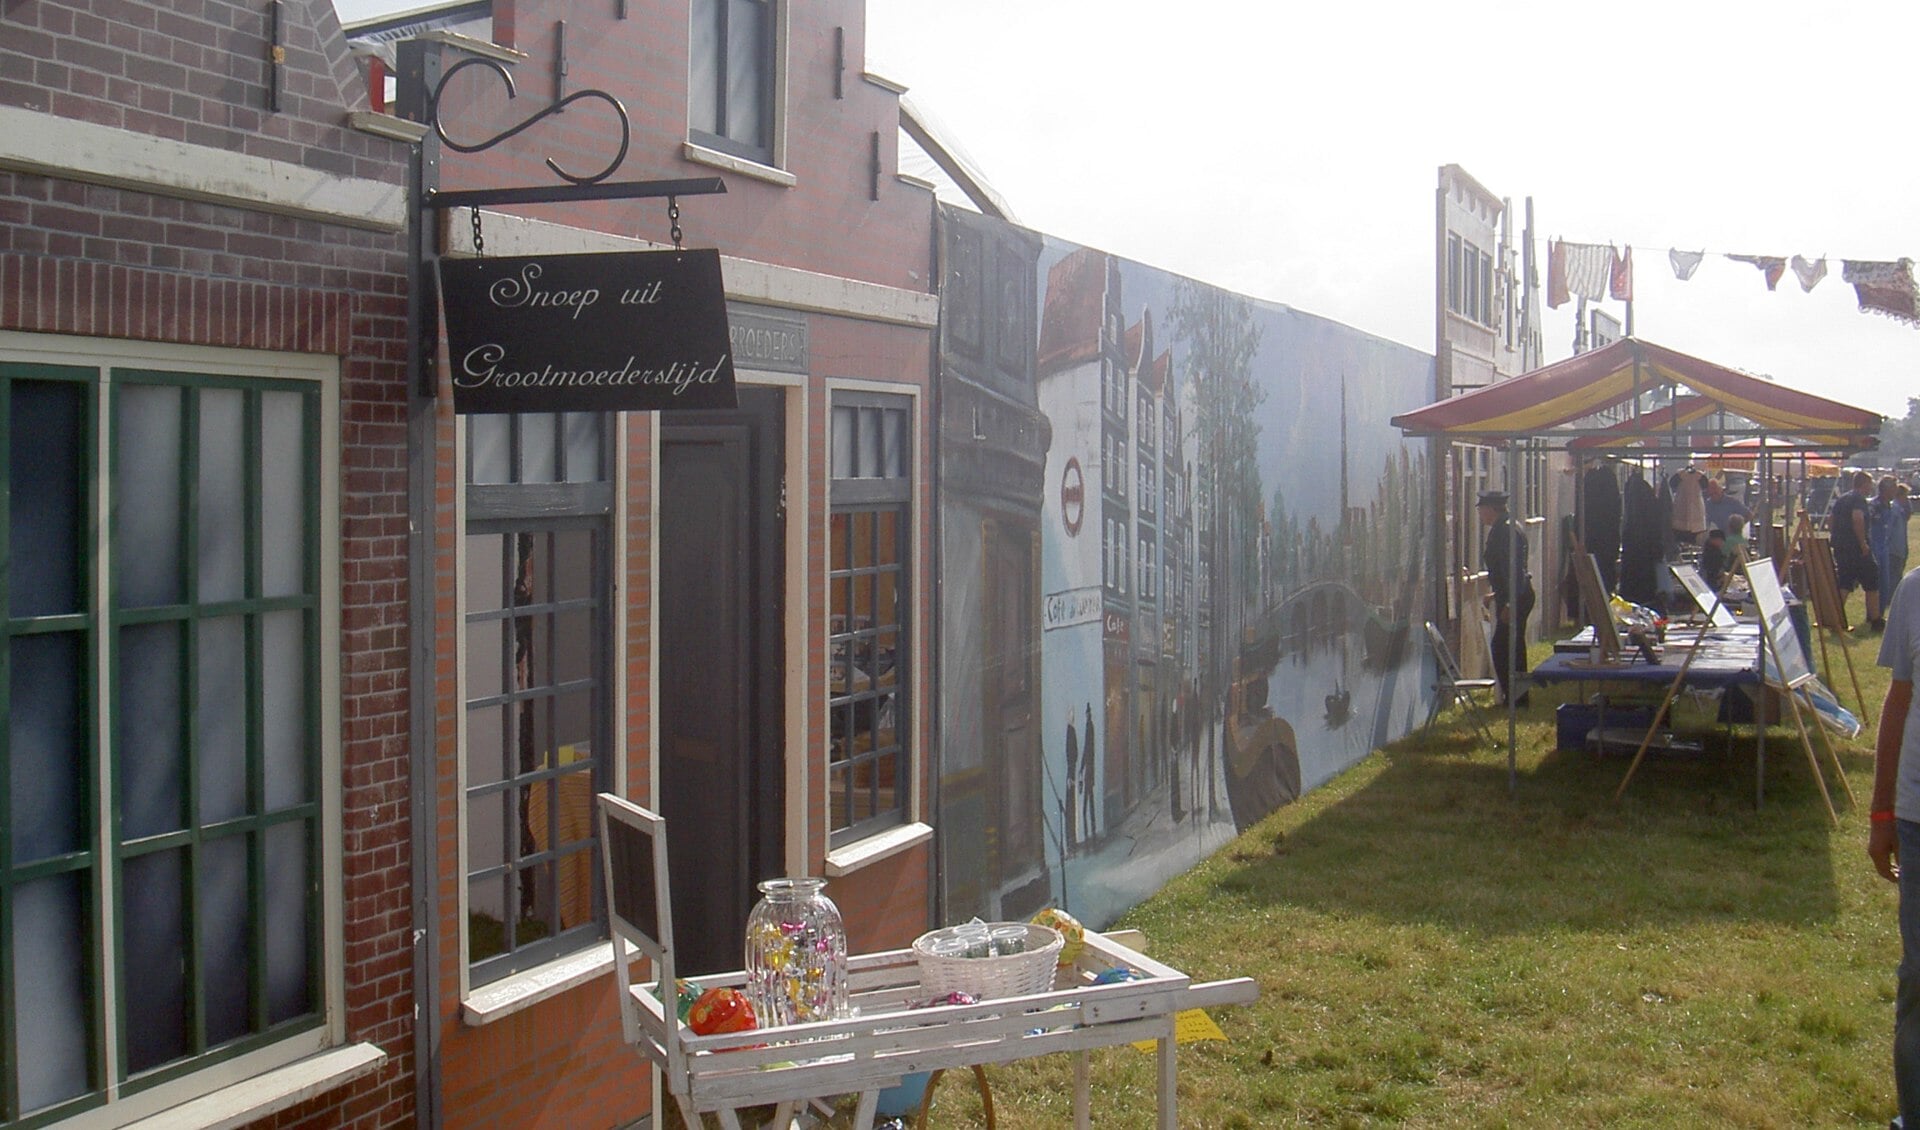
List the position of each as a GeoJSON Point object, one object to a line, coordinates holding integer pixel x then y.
{"type": "Point", "coordinates": [798, 704]}
{"type": "Point", "coordinates": [920, 571]}
{"type": "Point", "coordinates": [70, 149]}
{"type": "Point", "coordinates": [500, 999]}
{"type": "Point", "coordinates": [617, 564]}
{"type": "Point", "coordinates": [883, 82]}
{"type": "Point", "coordinates": [747, 280]}
{"type": "Point", "coordinates": [387, 126]}
{"type": "Point", "coordinates": [873, 849]}
{"type": "Point", "coordinates": [701, 155]}
{"type": "Point", "coordinates": [262, 1095]}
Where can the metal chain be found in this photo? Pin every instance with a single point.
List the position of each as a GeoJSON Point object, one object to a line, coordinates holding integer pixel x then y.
{"type": "Point", "coordinates": [673, 220]}
{"type": "Point", "coordinates": [479, 241]}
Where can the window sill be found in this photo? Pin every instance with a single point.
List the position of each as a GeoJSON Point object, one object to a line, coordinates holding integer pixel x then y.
{"type": "Point", "coordinates": [873, 849]}
{"type": "Point", "coordinates": [256, 1098]}
{"type": "Point", "coordinates": [701, 155]}
{"type": "Point", "coordinates": [499, 999]}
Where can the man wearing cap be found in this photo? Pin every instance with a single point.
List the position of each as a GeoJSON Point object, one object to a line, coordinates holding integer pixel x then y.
{"type": "Point", "coordinates": [1504, 556]}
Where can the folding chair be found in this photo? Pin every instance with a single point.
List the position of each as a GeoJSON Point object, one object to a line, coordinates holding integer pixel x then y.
{"type": "Point", "coordinates": [1450, 688]}
{"type": "Point", "coordinates": [634, 864]}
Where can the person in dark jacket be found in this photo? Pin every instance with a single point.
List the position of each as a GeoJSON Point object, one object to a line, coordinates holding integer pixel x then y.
{"type": "Point", "coordinates": [1504, 556]}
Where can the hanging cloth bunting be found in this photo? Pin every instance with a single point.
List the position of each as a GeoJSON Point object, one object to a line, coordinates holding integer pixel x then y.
{"type": "Point", "coordinates": [1588, 266]}
{"type": "Point", "coordinates": [1685, 263]}
{"type": "Point", "coordinates": [1772, 266]}
{"type": "Point", "coordinates": [1809, 272]}
{"type": "Point", "coordinates": [1620, 274]}
{"type": "Point", "coordinates": [1885, 288]}
{"type": "Point", "coordinates": [1556, 276]}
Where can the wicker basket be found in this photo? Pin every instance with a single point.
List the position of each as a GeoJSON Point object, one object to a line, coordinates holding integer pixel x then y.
{"type": "Point", "coordinates": [988, 978]}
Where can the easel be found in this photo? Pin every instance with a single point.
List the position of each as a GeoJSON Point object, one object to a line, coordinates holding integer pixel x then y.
{"type": "Point", "coordinates": [1829, 607]}
{"type": "Point", "coordinates": [1786, 674]}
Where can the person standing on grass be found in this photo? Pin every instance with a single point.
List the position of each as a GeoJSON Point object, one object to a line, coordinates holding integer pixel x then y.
{"type": "Point", "coordinates": [1504, 556]}
{"type": "Point", "coordinates": [1894, 828]}
{"type": "Point", "coordinates": [1887, 531]}
{"type": "Point", "coordinates": [1847, 533]}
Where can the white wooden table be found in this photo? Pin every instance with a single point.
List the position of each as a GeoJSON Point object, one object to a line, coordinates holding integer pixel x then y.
{"type": "Point", "coordinates": [886, 1039]}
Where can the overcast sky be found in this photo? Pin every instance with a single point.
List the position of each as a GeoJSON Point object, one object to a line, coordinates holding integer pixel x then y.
{"type": "Point", "coordinates": [1289, 151]}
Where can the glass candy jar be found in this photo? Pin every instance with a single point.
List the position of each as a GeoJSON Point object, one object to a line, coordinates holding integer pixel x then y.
{"type": "Point", "coordinates": [796, 954]}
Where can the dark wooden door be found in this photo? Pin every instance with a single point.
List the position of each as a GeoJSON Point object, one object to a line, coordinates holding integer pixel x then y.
{"type": "Point", "coordinates": [721, 670]}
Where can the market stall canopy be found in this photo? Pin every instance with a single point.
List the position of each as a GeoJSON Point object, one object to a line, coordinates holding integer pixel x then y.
{"type": "Point", "coordinates": [1545, 403]}
{"type": "Point", "coordinates": [1741, 454]}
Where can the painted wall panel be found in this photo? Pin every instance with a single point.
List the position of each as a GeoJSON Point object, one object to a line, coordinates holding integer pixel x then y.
{"type": "Point", "coordinates": [1229, 567]}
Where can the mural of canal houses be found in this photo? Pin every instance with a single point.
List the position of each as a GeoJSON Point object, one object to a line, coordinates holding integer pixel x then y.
{"type": "Point", "coordinates": [1225, 550]}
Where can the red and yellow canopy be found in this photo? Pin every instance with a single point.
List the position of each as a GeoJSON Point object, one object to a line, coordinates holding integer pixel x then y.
{"type": "Point", "coordinates": [1549, 399]}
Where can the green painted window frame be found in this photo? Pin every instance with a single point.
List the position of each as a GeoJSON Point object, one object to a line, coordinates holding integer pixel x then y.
{"type": "Point", "coordinates": [105, 854]}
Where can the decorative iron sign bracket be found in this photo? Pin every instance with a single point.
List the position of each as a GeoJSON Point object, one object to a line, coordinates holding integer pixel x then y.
{"type": "Point", "coordinates": [421, 65]}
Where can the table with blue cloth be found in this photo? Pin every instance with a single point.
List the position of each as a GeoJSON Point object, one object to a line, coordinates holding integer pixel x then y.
{"type": "Point", "coordinates": [1722, 658]}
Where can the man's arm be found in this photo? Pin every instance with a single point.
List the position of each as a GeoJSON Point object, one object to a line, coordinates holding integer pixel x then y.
{"type": "Point", "coordinates": [1882, 847]}
{"type": "Point", "coordinates": [1860, 528]}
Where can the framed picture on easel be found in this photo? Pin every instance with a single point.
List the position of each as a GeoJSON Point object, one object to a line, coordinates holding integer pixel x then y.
{"type": "Point", "coordinates": [1788, 666]}
{"type": "Point", "coordinates": [1823, 584]}
{"type": "Point", "coordinates": [1597, 607]}
{"type": "Point", "coordinates": [1704, 598]}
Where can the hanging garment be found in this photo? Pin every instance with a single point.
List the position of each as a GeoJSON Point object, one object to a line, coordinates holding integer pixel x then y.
{"type": "Point", "coordinates": [1620, 275]}
{"type": "Point", "coordinates": [1600, 521]}
{"type": "Point", "coordinates": [1809, 272]}
{"type": "Point", "coordinates": [1588, 266]}
{"type": "Point", "coordinates": [1685, 263]}
{"type": "Point", "coordinates": [1772, 266]}
{"type": "Point", "coordinates": [1642, 541]}
{"type": "Point", "coordinates": [1885, 288]}
{"type": "Point", "coordinates": [1556, 276]}
{"type": "Point", "coordinates": [1689, 518]}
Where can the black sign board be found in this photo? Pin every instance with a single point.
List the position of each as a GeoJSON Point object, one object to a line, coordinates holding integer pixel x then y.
{"type": "Point", "coordinates": [615, 332]}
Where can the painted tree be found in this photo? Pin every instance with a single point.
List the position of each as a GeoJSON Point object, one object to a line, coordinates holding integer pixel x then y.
{"type": "Point", "coordinates": [1221, 339]}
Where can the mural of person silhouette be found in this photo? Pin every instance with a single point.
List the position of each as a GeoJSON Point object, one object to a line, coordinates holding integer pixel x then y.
{"type": "Point", "coordinates": [1067, 813]}
{"type": "Point", "coordinates": [1088, 831]}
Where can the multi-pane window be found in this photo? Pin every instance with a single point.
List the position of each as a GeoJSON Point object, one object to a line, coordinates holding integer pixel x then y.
{"type": "Point", "coordinates": [868, 579]}
{"type": "Point", "coordinates": [1453, 272]}
{"type": "Point", "coordinates": [731, 79]}
{"type": "Point", "coordinates": [537, 624]}
{"type": "Point", "coordinates": [1146, 568]}
{"type": "Point", "coordinates": [163, 670]}
{"type": "Point", "coordinates": [1106, 553]}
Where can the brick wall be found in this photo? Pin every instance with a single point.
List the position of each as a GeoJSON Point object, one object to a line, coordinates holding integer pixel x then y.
{"type": "Point", "coordinates": [118, 262]}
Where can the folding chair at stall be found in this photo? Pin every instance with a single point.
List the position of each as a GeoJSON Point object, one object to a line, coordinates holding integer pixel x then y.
{"type": "Point", "coordinates": [639, 909]}
{"type": "Point", "coordinates": [1449, 687]}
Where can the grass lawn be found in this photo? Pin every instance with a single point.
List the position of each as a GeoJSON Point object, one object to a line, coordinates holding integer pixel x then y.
{"type": "Point", "coordinates": [1435, 950]}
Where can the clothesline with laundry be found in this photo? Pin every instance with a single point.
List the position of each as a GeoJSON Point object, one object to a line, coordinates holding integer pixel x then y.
{"type": "Point", "coordinates": [1597, 271]}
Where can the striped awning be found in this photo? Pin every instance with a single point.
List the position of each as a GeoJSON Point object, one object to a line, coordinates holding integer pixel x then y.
{"type": "Point", "coordinates": [1545, 403]}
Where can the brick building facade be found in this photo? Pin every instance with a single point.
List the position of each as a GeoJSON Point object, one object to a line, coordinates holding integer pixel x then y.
{"type": "Point", "coordinates": [205, 892]}
{"type": "Point", "coordinates": [310, 681]}
{"type": "Point", "coordinates": [757, 674]}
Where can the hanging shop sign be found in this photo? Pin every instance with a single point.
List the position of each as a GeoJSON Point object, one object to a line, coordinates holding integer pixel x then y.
{"type": "Point", "coordinates": [613, 332]}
